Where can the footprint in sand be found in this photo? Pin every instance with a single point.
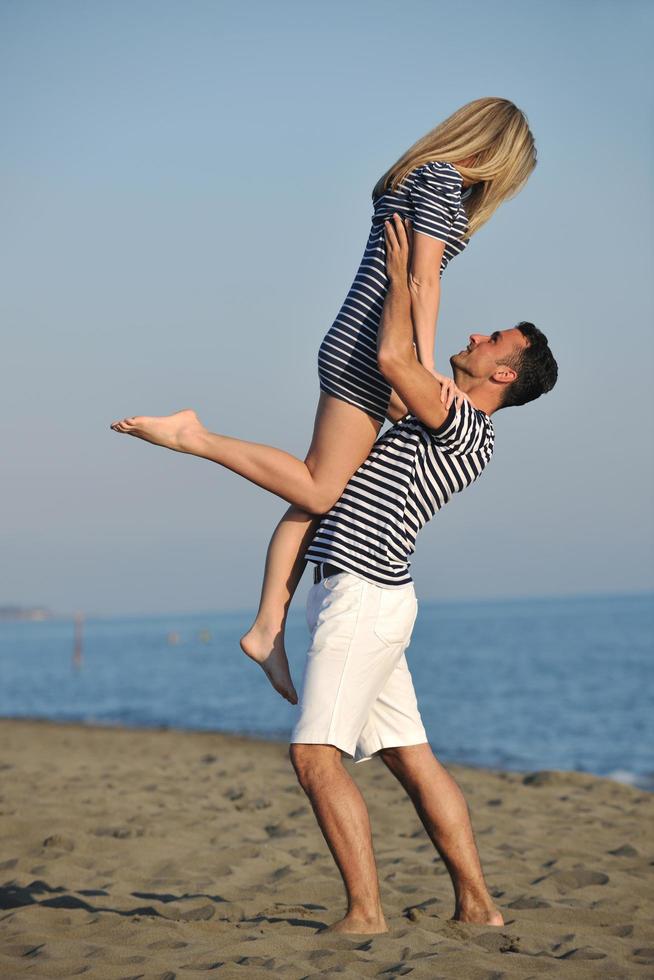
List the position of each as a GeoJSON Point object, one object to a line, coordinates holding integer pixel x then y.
{"type": "Point", "coordinates": [260, 803]}
{"type": "Point", "coordinates": [93, 952]}
{"type": "Point", "coordinates": [120, 833]}
{"type": "Point", "coordinates": [570, 880]}
{"type": "Point", "coordinates": [415, 912]}
{"type": "Point", "coordinates": [59, 843]}
{"type": "Point", "coordinates": [190, 915]}
{"type": "Point", "coordinates": [167, 944]}
{"type": "Point", "coordinates": [279, 909]}
{"type": "Point", "coordinates": [621, 931]}
{"type": "Point", "coordinates": [397, 970]}
{"type": "Point", "coordinates": [29, 950]}
{"type": "Point", "coordinates": [209, 965]}
{"type": "Point", "coordinates": [584, 953]}
{"type": "Point", "coordinates": [626, 851]}
{"type": "Point", "coordinates": [278, 830]}
{"type": "Point", "coordinates": [529, 902]}
{"type": "Point", "coordinates": [563, 941]}
{"type": "Point", "coordinates": [498, 942]}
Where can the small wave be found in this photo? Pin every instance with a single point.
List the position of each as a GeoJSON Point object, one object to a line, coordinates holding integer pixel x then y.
{"type": "Point", "coordinates": [637, 780]}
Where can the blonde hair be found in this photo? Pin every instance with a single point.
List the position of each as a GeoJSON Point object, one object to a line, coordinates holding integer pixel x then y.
{"type": "Point", "coordinates": [493, 131]}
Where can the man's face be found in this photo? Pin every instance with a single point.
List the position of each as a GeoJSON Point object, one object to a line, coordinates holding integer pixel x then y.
{"type": "Point", "coordinates": [484, 355]}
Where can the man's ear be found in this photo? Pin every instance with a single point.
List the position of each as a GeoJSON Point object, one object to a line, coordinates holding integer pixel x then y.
{"type": "Point", "coordinates": [504, 375]}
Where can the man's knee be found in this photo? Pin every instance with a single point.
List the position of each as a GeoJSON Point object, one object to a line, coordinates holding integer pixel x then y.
{"type": "Point", "coordinates": [391, 757]}
{"type": "Point", "coordinates": [405, 757]}
{"type": "Point", "coordinates": [311, 761]}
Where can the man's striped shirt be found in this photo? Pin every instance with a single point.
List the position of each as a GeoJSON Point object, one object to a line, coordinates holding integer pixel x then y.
{"type": "Point", "coordinates": [411, 472]}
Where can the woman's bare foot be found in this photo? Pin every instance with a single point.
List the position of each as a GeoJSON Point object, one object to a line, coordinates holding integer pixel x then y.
{"type": "Point", "coordinates": [181, 431]}
{"type": "Point", "coordinates": [358, 925]}
{"type": "Point", "coordinates": [267, 650]}
{"type": "Point", "coordinates": [483, 913]}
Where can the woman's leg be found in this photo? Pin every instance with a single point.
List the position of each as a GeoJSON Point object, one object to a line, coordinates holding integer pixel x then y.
{"type": "Point", "coordinates": [342, 438]}
{"type": "Point", "coordinates": [264, 641]}
{"type": "Point", "coordinates": [343, 435]}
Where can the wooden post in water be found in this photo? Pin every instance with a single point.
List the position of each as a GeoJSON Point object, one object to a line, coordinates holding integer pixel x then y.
{"type": "Point", "coordinates": [78, 642]}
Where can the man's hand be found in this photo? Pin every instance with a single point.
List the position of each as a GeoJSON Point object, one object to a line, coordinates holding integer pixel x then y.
{"type": "Point", "coordinates": [399, 241]}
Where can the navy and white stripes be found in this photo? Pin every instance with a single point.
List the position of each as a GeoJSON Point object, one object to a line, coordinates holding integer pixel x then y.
{"type": "Point", "coordinates": [347, 361]}
{"type": "Point", "coordinates": [411, 472]}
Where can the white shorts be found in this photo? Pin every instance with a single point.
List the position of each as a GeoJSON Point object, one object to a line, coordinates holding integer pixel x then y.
{"type": "Point", "coordinates": [357, 692]}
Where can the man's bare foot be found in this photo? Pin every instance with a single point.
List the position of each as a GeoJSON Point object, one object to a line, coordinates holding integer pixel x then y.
{"type": "Point", "coordinates": [267, 650]}
{"type": "Point", "coordinates": [485, 914]}
{"type": "Point", "coordinates": [179, 431]}
{"type": "Point", "coordinates": [358, 925]}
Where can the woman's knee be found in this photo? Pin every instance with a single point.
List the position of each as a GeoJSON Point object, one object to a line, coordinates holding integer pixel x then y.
{"type": "Point", "coordinates": [327, 484]}
{"type": "Point", "coordinates": [322, 498]}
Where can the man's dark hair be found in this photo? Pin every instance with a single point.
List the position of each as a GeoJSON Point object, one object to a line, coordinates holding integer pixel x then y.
{"type": "Point", "coordinates": [535, 366]}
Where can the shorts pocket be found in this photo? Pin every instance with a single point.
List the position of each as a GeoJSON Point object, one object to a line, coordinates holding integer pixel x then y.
{"type": "Point", "coordinates": [396, 615]}
{"type": "Point", "coordinates": [339, 581]}
{"type": "Point", "coordinates": [333, 606]}
{"type": "Point", "coordinates": [314, 600]}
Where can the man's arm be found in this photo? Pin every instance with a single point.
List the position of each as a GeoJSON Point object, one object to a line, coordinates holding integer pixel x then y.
{"type": "Point", "coordinates": [425, 292]}
{"type": "Point", "coordinates": [421, 392]}
{"type": "Point", "coordinates": [396, 408]}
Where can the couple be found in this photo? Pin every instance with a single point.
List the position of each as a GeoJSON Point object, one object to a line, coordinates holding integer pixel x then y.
{"type": "Point", "coordinates": [377, 361]}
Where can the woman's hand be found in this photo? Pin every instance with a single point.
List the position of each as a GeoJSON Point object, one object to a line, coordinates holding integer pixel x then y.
{"type": "Point", "coordinates": [449, 391]}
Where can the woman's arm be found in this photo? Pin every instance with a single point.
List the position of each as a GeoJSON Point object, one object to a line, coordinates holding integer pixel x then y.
{"type": "Point", "coordinates": [425, 290]}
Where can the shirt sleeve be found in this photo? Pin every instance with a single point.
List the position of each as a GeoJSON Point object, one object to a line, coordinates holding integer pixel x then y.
{"type": "Point", "coordinates": [465, 430]}
{"type": "Point", "coordinates": [435, 198]}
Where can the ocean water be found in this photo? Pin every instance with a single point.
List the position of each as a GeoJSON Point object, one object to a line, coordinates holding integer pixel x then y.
{"type": "Point", "coordinates": [523, 684]}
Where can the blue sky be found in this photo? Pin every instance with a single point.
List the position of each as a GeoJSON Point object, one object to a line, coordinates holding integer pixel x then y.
{"type": "Point", "coordinates": [185, 200]}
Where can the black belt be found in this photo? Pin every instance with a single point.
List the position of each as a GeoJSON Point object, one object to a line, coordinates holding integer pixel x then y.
{"type": "Point", "coordinates": [323, 569]}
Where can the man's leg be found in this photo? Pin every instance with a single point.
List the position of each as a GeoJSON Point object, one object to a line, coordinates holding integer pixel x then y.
{"type": "Point", "coordinates": [343, 818]}
{"type": "Point", "coordinates": [441, 806]}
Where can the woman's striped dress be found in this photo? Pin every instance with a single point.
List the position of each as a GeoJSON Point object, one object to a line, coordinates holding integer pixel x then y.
{"type": "Point", "coordinates": [347, 360]}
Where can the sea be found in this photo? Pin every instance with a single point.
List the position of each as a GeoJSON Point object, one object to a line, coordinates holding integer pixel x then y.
{"type": "Point", "coordinates": [525, 684]}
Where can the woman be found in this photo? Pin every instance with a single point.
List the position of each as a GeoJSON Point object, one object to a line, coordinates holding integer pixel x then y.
{"type": "Point", "coordinates": [449, 183]}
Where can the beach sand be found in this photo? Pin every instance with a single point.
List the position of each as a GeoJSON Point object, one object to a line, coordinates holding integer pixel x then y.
{"type": "Point", "coordinates": [165, 854]}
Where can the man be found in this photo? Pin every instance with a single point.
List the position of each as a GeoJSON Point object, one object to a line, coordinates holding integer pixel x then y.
{"type": "Point", "coordinates": [357, 697]}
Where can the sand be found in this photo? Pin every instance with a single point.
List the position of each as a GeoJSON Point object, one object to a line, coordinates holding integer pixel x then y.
{"type": "Point", "coordinates": [165, 854]}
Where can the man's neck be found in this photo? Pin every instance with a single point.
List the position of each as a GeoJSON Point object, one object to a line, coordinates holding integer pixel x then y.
{"type": "Point", "coordinates": [482, 394]}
